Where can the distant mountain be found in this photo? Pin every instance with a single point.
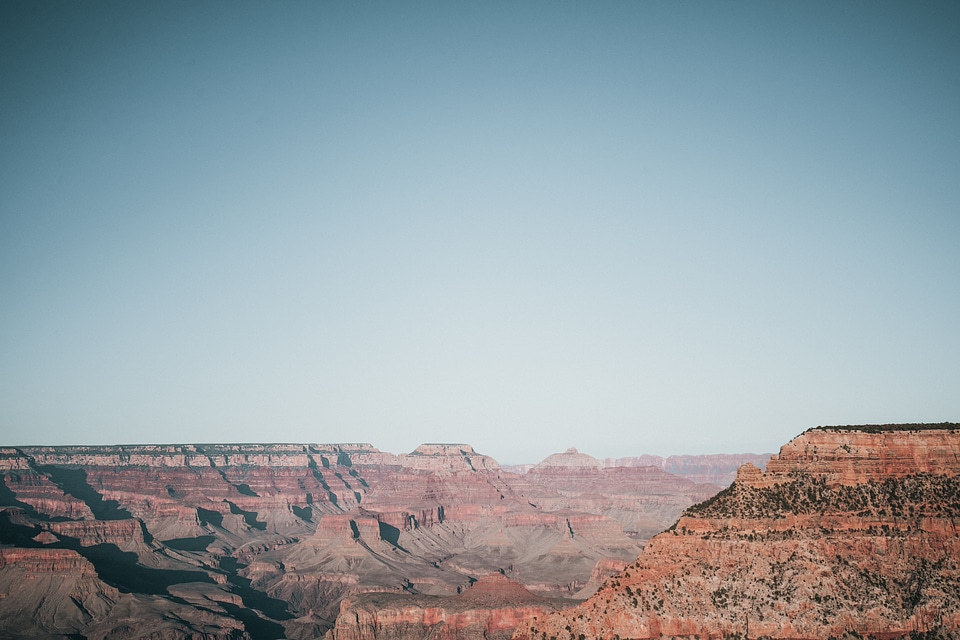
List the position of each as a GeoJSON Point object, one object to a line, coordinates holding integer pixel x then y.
{"type": "Point", "coordinates": [718, 468]}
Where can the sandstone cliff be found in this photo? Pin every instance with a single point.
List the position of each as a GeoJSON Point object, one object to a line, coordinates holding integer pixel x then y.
{"type": "Point", "coordinates": [849, 531]}
{"type": "Point", "coordinates": [491, 609]}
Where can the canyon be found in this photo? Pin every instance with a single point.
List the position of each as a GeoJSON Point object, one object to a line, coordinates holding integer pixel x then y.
{"type": "Point", "coordinates": [848, 532]}
{"type": "Point", "coordinates": [303, 540]}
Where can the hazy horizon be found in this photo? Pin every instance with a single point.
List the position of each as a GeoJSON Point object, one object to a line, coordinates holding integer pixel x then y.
{"type": "Point", "coordinates": [382, 450]}
{"type": "Point", "coordinates": [664, 228]}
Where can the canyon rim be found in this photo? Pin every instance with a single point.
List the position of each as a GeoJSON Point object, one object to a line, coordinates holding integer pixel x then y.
{"type": "Point", "coordinates": [847, 531]}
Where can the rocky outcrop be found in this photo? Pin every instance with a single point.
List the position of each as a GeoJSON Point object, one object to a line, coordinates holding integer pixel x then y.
{"type": "Point", "coordinates": [39, 492]}
{"type": "Point", "coordinates": [45, 561]}
{"type": "Point", "coordinates": [849, 531]}
{"type": "Point", "coordinates": [57, 593]}
{"type": "Point", "coordinates": [448, 457]}
{"type": "Point", "coordinates": [489, 610]}
{"type": "Point", "coordinates": [50, 591]}
{"type": "Point", "coordinates": [847, 455]}
{"type": "Point", "coordinates": [124, 534]}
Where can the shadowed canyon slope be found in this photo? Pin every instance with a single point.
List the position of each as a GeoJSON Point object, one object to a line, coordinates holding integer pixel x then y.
{"type": "Point", "coordinates": [271, 541]}
{"type": "Point", "coordinates": [849, 531]}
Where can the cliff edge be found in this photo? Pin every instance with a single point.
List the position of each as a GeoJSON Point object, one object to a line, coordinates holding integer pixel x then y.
{"type": "Point", "coordinates": [849, 531]}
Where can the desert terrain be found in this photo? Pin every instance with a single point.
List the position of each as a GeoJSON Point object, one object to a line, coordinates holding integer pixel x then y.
{"type": "Point", "coordinates": [276, 541]}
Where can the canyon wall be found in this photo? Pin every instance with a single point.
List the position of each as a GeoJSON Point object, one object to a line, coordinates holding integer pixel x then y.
{"type": "Point", "coordinates": [717, 468]}
{"type": "Point", "coordinates": [268, 540]}
{"type": "Point", "coordinates": [490, 609]}
{"type": "Point", "coordinates": [848, 531]}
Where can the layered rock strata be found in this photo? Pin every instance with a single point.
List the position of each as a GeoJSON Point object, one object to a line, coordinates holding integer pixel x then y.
{"type": "Point", "coordinates": [267, 540]}
{"type": "Point", "coordinates": [718, 468]}
{"type": "Point", "coordinates": [644, 500]}
{"type": "Point", "coordinates": [850, 531]}
{"type": "Point", "coordinates": [491, 609]}
{"type": "Point", "coordinates": [57, 593]}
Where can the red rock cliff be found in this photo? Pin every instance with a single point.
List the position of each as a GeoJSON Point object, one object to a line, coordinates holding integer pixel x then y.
{"type": "Point", "coordinates": [848, 531]}
{"type": "Point", "coordinates": [291, 529]}
{"type": "Point", "coordinates": [491, 609]}
{"type": "Point", "coordinates": [847, 456]}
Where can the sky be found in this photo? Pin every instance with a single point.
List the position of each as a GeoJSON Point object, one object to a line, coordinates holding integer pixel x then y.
{"type": "Point", "coordinates": [626, 227]}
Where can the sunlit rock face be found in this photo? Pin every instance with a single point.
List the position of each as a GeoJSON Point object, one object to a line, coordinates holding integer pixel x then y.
{"type": "Point", "coordinates": [267, 540]}
{"type": "Point", "coordinates": [851, 530]}
{"type": "Point", "coordinates": [843, 455]}
{"type": "Point", "coordinates": [490, 609]}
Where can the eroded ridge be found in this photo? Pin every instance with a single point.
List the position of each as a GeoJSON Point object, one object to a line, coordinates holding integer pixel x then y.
{"type": "Point", "coordinates": [848, 532]}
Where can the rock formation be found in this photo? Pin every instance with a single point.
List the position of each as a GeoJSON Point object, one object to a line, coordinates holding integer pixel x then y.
{"type": "Point", "coordinates": [267, 540]}
{"type": "Point", "coordinates": [719, 468]}
{"type": "Point", "coordinates": [58, 593]}
{"type": "Point", "coordinates": [849, 531]}
{"type": "Point", "coordinates": [490, 609]}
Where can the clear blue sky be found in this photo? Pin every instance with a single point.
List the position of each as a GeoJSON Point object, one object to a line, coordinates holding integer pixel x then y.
{"type": "Point", "coordinates": [638, 227]}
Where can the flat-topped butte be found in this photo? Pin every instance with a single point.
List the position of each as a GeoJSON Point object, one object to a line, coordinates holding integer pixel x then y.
{"type": "Point", "coordinates": [880, 428]}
